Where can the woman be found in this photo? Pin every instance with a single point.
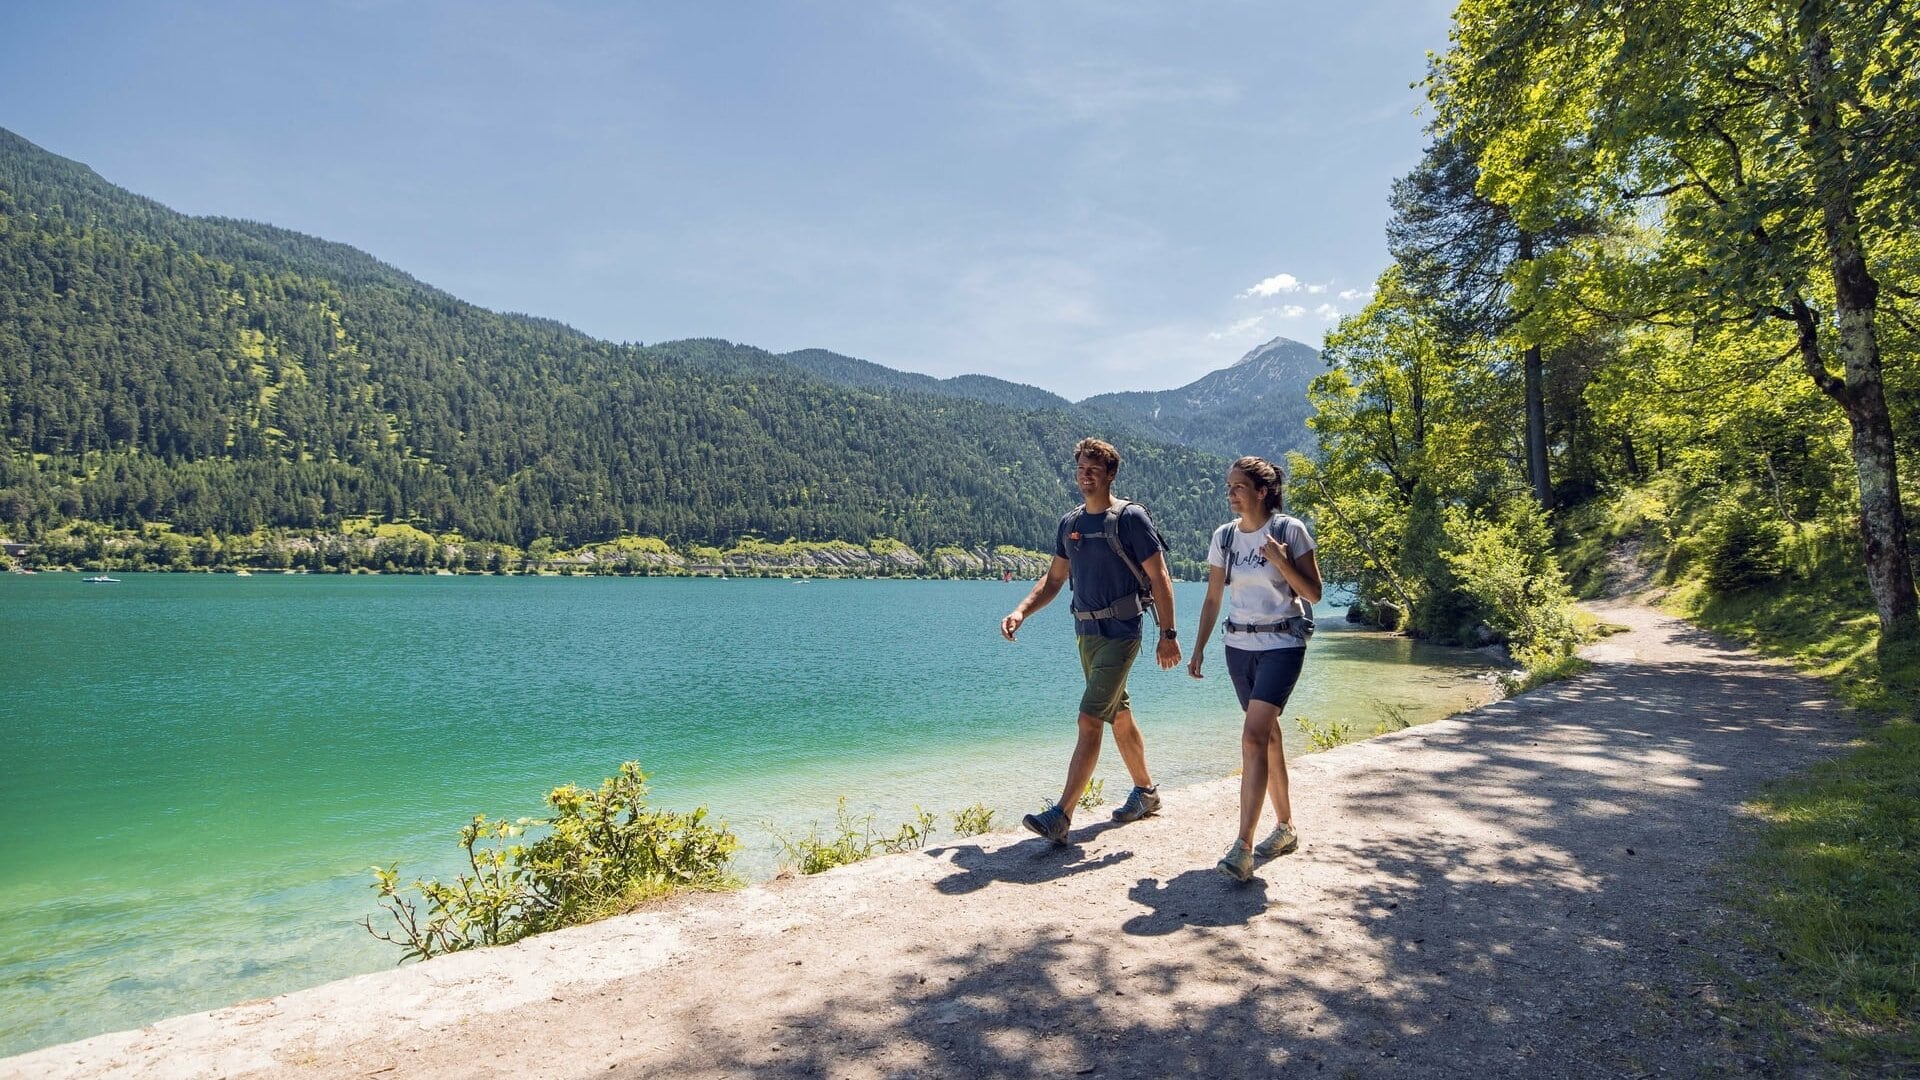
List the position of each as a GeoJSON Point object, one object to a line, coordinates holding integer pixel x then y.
{"type": "Point", "coordinates": [1267, 558]}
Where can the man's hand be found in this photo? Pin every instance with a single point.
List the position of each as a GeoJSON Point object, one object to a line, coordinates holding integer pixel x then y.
{"type": "Point", "coordinates": [1168, 653]}
{"type": "Point", "coordinates": [1011, 623]}
{"type": "Point", "coordinates": [1193, 665]}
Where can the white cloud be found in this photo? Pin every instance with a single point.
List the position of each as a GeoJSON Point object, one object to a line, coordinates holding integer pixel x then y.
{"type": "Point", "coordinates": [1316, 289]}
{"type": "Point", "coordinates": [1356, 294]}
{"type": "Point", "coordinates": [1327, 311]}
{"type": "Point", "coordinates": [1239, 329]}
{"type": "Point", "coordinates": [1291, 311]}
{"type": "Point", "coordinates": [1274, 286]}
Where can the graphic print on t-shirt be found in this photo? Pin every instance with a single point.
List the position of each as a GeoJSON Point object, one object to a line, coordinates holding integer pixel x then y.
{"type": "Point", "coordinates": [1258, 594]}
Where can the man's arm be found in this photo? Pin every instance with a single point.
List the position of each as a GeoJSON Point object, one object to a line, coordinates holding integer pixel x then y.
{"type": "Point", "coordinates": [1043, 593]}
{"type": "Point", "coordinates": [1168, 651]}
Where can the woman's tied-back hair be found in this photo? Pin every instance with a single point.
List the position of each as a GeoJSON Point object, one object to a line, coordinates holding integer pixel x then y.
{"type": "Point", "coordinates": [1100, 451]}
{"type": "Point", "coordinates": [1268, 477]}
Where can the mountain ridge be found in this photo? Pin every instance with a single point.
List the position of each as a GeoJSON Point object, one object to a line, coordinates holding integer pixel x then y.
{"type": "Point", "coordinates": [224, 376]}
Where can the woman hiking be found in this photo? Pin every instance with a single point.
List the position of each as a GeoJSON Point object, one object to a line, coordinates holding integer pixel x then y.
{"type": "Point", "coordinates": [1266, 558]}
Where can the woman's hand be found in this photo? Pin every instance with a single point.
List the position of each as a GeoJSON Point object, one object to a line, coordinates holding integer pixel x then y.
{"type": "Point", "coordinates": [1276, 552]}
{"type": "Point", "coordinates": [1193, 665]}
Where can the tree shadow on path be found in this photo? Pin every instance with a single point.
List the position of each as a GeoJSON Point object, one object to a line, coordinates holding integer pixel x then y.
{"type": "Point", "coordinates": [1523, 893]}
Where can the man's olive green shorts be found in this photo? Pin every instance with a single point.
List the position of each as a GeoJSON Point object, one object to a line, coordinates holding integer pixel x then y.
{"type": "Point", "coordinates": [1106, 661]}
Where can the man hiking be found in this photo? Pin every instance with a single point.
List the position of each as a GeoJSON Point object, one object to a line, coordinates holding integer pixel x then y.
{"type": "Point", "coordinates": [1112, 553]}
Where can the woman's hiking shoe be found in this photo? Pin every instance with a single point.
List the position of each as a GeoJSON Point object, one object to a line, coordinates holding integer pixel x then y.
{"type": "Point", "coordinates": [1238, 864]}
{"type": "Point", "coordinates": [1050, 823]}
{"type": "Point", "coordinates": [1143, 801]}
{"type": "Point", "coordinates": [1282, 840]}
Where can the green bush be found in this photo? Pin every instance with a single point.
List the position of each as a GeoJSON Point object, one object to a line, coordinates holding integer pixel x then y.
{"type": "Point", "coordinates": [1325, 736]}
{"type": "Point", "coordinates": [1508, 566]}
{"type": "Point", "coordinates": [1094, 795]}
{"type": "Point", "coordinates": [605, 851]}
{"type": "Point", "coordinates": [1744, 548]}
{"type": "Point", "coordinates": [974, 820]}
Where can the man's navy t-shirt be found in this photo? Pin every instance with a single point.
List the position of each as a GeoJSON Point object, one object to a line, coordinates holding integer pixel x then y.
{"type": "Point", "coordinates": [1099, 577]}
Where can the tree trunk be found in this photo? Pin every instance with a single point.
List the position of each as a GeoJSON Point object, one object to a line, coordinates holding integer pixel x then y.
{"type": "Point", "coordinates": [1536, 409]}
{"type": "Point", "coordinates": [1537, 431]}
{"type": "Point", "coordinates": [1883, 527]}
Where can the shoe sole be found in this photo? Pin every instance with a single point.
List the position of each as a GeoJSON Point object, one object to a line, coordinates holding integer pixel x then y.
{"type": "Point", "coordinates": [1232, 871]}
{"type": "Point", "coordinates": [1147, 814]}
{"type": "Point", "coordinates": [1033, 824]}
{"type": "Point", "coordinates": [1293, 845]}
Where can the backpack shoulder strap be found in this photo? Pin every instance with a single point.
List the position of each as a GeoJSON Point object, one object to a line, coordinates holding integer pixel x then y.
{"type": "Point", "coordinates": [1065, 528]}
{"type": "Point", "coordinates": [1115, 511]}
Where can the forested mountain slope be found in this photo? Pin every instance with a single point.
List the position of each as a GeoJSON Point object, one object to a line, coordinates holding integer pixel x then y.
{"type": "Point", "coordinates": [221, 375]}
{"type": "Point", "coordinates": [1257, 406]}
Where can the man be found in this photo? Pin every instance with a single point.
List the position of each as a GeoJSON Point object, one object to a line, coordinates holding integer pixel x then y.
{"type": "Point", "coordinates": [1107, 617]}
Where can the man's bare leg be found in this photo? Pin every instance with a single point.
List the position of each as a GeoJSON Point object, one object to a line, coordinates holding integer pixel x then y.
{"type": "Point", "coordinates": [1133, 748]}
{"type": "Point", "coordinates": [1086, 754]}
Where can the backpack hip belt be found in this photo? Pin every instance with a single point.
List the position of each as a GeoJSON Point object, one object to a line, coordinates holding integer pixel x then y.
{"type": "Point", "coordinates": [1124, 608]}
{"type": "Point", "coordinates": [1299, 626]}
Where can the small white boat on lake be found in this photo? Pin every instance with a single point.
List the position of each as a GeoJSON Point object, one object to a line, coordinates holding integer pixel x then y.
{"type": "Point", "coordinates": [100, 579]}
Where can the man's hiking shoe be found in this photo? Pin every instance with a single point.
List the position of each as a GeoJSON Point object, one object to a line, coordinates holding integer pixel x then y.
{"type": "Point", "coordinates": [1238, 864]}
{"type": "Point", "coordinates": [1143, 801]}
{"type": "Point", "coordinates": [1050, 823]}
{"type": "Point", "coordinates": [1281, 841]}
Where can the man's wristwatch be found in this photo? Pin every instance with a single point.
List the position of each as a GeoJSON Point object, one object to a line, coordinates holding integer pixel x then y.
{"type": "Point", "coordinates": [1169, 633]}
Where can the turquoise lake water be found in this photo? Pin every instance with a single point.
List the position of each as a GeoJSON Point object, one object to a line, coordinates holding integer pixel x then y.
{"type": "Point", "coordinates": [197, 771]}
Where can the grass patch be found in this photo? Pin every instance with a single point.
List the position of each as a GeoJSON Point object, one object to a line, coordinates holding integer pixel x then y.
{"type": "Point", "coordinates": [1835, 885]}
{"type": "Point", "coordinates": [1549, 671]}
{"type": "Point", "coordinates": [1822, 620]}
{"type": "Point", "coordinates": [853, 839]}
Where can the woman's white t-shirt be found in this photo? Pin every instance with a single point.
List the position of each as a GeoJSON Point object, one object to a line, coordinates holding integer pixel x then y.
{"type": "Point", "coordinates": [1257, 593]}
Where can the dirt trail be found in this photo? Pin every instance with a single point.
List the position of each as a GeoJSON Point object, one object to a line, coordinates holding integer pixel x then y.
{"type": "Point", "coordinates": [1521, 891]}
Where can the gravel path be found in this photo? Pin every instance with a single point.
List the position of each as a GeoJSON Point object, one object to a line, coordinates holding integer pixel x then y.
{"type": "Point", "coordinates": [1521, 891]}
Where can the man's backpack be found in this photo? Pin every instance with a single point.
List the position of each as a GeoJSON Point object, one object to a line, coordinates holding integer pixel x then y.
{"type": "Point", "coordinates": [1299, 624]}
{"type": "Point", "coordinates": [1141, 599]}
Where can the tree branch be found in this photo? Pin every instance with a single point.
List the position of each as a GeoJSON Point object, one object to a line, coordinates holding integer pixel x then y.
{"type": "Point", "coordinates": [1809, 347]}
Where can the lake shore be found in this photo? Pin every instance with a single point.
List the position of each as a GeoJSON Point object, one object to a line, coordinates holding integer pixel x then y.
{"type": "Point", "coordinates": [1525, 886]}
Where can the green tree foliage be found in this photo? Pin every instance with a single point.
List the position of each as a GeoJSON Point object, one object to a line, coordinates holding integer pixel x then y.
{"type": "Point", "coordinates": [1767, 148]}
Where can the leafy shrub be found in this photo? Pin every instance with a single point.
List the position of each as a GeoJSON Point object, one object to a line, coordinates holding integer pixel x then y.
{"type": "Point", "coordinates": [1743, 548]}
{"type": "Point", "coordinates": [854, 839]}
{"type": "Point", "coordinates": [1325, 736]}
{"type": "Point", "coordinates": [1094, 795]}
{"type": "Point", "coordinates": [606, 850]}
{"type": "Point", "coordinates": [974, 820]}
{"type": "Point", "coordinates": [1508, 566]}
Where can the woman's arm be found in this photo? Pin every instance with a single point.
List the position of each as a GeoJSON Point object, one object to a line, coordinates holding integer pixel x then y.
{"type": "Point", "coordinates": [1209, 611]}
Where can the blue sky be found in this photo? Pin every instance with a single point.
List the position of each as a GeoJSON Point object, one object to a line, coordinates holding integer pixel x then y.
{"type": "Point", "coordinates": [1086, 197]}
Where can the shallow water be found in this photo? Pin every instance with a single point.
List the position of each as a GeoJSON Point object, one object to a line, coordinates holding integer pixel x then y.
{"type": "Point", "coordinates": [199, 770]}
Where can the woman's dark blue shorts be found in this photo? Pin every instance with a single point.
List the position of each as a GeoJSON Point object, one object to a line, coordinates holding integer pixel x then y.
{"type": "Point", "coordinates": [1264, 674]}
